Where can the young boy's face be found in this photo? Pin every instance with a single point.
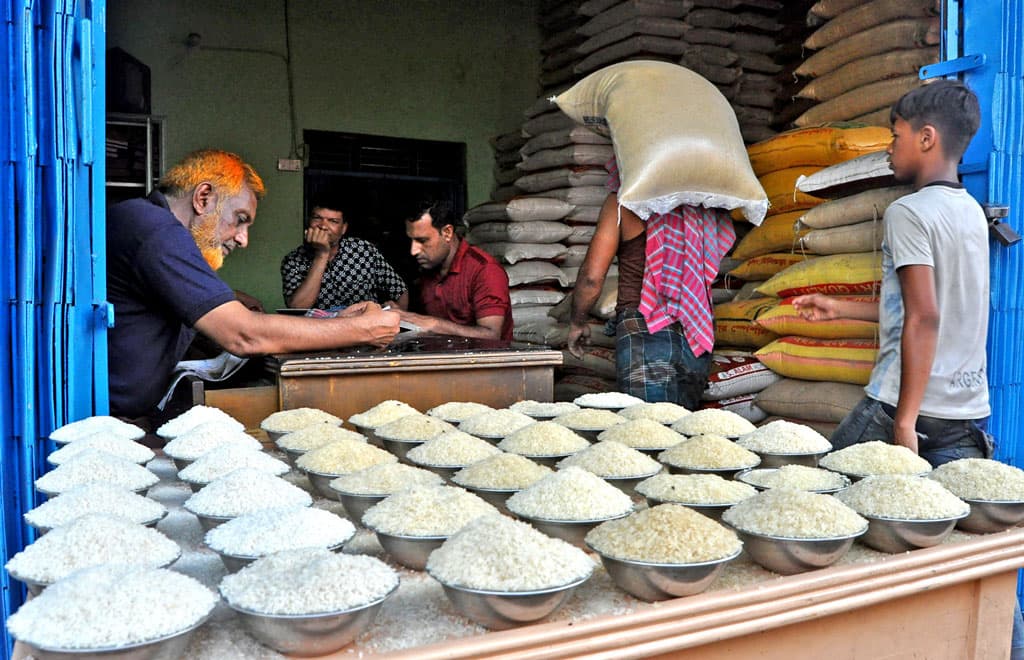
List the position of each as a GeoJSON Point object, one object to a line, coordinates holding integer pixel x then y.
{"type": "Point", "coordinates": [904, 151]}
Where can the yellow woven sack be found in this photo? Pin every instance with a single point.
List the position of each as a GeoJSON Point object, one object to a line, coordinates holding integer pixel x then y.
{"type": "Point", "coordinates": [819, 146]}
{"type": "Point", "coordinates": [839, 360]}
{"type": "Point", "coordinates": [780, 186]}
{"type": "Point", "coordinates": [783, 319]}
{"type": "Point", "coordinates": [836, 274]}
{"type": "Point", "coordinates": [776, 234]}
{"type": "Point", "coordinates": [735, 326]}
{"type": "Point", "coordinates": [760, 268]}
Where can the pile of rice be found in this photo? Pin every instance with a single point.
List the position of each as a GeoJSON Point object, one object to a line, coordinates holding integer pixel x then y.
{"type": "Point", "coordinates": [119, 446]}
{"type": "Point", "coordinates": [590, 419]}
{"type": "Point", "coordinates": [112, 606]}
{"type": "Point", "coordinates": [91, 540]}
{"type": "Point", "coordinates": [798, 477]}
{"type": "Point", "coordinates": [610, 400]}
{"type": "Point", "coordinates": [496, 553]}
{"type": "Point", "coordinates": [308, 581]}
{"type": "Point", "coordinates": [218, 462]}
{"type": "Point", "coordinates": [457, 411]}
{"type": "Point", "coordinates": [642, 434]}
{"type": "Point", "coordinates": [202, 438]}
{"type": "Point", "coordinates": [662, 412]}
{"type": "Point", "coordinates": [709, 452]}
{"type": "Point", "coordinates": [272, 530]}
{"type": "Point", "coordinates": [104, 424]}
{"type": "Point", "coordinates": [782, 437]}
{"type": "Point", "coordinates": [501, 472]}
{"type": "Point", "coordinates": [95, 465]}
{"type": "Point", "coordinates": [452, 448]}
{"type": "Point", "coordinates": [713, 421]}
{"type": "Point", "coordinates": [543, 408]}
{"type": "Point", "coordinates": [902, 496]}
{"type": "Point", "coordinates": [244, 491]}
{"type": "Point", "coordinates": [496, 423]}
{"type": "Point", "coordinates": [426, 511]}
{"type": "Point", "coordinates": [195, 416]}
{"type": "Point", "coordinates": [694, 489]}
{"type": "Point", "coordinates": [416, 427]}
{"type": "Point", "coordinates": [612, 459]}
{"type": "Point", "coordinates": [665, 534]}
{"type": "Point", "coordinates": [981, 479]}
{"type": "Point", "coordinates": [316, 436]}
{"type": "Point", "coordinates": [385, 479]}
{"type": "Point", "coordinates": [343, 457]}
{"type": "Point", "coordinates": [543, 439]}
{"type": "Point", "coordinates": [571, 494]}
{"type": "Point", "coordinates": [795, 514]}
{"type": "Point", "coordinates": [286, 421]}
{"type": "Point", "coordinates": [95, 497]}
{"type": "Point", "coordinates": [382, 413]}
{"type": "Point", "coordinates": [875, 457]}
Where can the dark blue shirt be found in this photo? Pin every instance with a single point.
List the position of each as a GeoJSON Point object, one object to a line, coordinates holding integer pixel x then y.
{"type": "Point", "coordinates": [160, 285]}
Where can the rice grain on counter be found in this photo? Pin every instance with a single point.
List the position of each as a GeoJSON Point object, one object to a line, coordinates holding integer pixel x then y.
{"type": "Point", "coordinates": [709, 452]}
{"type": "Point", "coordinates": [981, 479]}
{"type": "Point", "coordinates": [308, 581]}
{"type": "Point", "coordinates": [501, 472]}
{"type": "Point", "coordinates": [589, 419]}
{"type": "Point", "coordinates": [195, 416]}
{"type": "Point", "coordinates": [243, 491]}
{"type": "Point", "coordinates": [694, 489]}
{"type": "Point", "coordinates": [799, 477]}
{"type": "Point", "coordinates": [496, 423]}
{"type": "Point", "coordinates": [426, 511]}
{"type": "Point", "coordinates": [95, 497]}
{"type": "Point", "coordinates": [112, 606]}
{"type": "Point", "coordinates": [91, 540]}
{"type": "Point", "coordinates": [496, 553]}
{"type": "Point", "coordinates": [202, 438]}
{"type": "Point", "coordinates": [795, 514]}
{"type": "Point", "coordinates": [95, 465]}
{"type": "Point", "coordinates": [457, 411]}
{"type": "Point", "coordinates": [316, 436]}
{"type": "Point", "coordinates": [663, 412]}
{"type": "Point", "coordinates": [414, 428]}
{"type": "Point", "coordinates": [902, 496]}
{"type": "Point", "coordinates": [452, 448]}
{"type": "Point", "coordinates": [783, 437]}
{"type": "Point", "coordinates": [613, 460]}
{"type": "Point", "coordinates": [343, 457]}
{"type": "Point", "coordinates": [612, 400]}
{"type": "Point", "coordinates": [570, 494]}
{"type": "Point", "coordinates": [664, 534]}
{"type": "Point", "coordinates": [382, 413]}
{"type": "Point", "coordinates": [543, 408]}
{"type": "Point", "coordinates": [384, 479]}
{"type": "Point", "coordinates": [119, 446]}
{"type": "Point", "coordinates": [268, 531]}
{"type": "Point", "coordinates": [286, 421]}
{"type": "Point", "coordinates": [713, 421]}
{"type": "Point", "coordinates": [875, 457]}
{"type": "Point", "coordinates": [97, 424]}
{"type": "Point", "coordinates": [642, 434]}
{"type": "Point", "coordinates": [221, 460]}
{"type": "Point", "coordinates": [543, 439]}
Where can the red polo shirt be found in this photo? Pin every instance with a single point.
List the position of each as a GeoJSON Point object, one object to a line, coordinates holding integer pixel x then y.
{"type": "Point", "coordinates": [475, 287]}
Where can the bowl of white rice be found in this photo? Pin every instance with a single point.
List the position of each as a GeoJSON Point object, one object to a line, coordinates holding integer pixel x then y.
{"type": "Point", "coordinates": [782, 442]}
{"type": "Point", "coordinates": [297, 443]}
{"type": "Point", "coordinates": [994, 490]}
{"type": "Point", "coordinates": [607, 400]}
{"type": "Point", "coordinates": [309, 602]}
{"type": "Point", "coordinates": [95, 497]}
{"type": "Point", "coordinates": [189, 446]}
{"type": "Point", "coordinates": [590, 422]}
{"type": "Point", "coordinates": [542, 410]}
{"type": "Point", "coordinates": [619, 465]}
{"type": "Point", "coordinates": [643, 434]}
{"type": "Point", "coordinates": [455, 412]}
{"type": "Point", "coordinates": [367, 421]}
{"type": "Point", "coordinates": [93, 465]}
{"type": "Point", "coordinates": [713, 421]}
{"type": "Point", "coordinates": [799, 477]}
{"type": "Point", "coordinates": [664, 552]}
{"type": "Point", "coordinates": [195, 416]}
{"type": "Point", "coordinates": [875, 457]}
{"type": "Point", "coordinates": [329, 462]}
{"type": "Point", "coordinates": [544, 442]}
{"type": "Point", "coordinates": [104, 424]}
{"type": "Point", "coordinates": [361, 490]}
{"type": "Point", "coordinates": [450, 452]}
{"type": "Point", "coordinates": [286, 421]}
{"type": "Point", "coordinates": [495, 424]}
{"type": "Point", "coordinates": [240, 492]}
{"type": "Point", "coordinates": [224, 459]}
{"type": "Point", "coordinates": [662, 412]}
{"type": "Point", "coordinates": [708, 454]}
{"type": "Point", "coordinates": [498, 477]}
{"type": "Point", "coordinates": [112, 444]}
{"type": "Point", "coordinates": [708, 494]}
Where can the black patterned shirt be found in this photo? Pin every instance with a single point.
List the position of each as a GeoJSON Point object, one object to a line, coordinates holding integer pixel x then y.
{"type": "Point", "coordinates": [358, 272]}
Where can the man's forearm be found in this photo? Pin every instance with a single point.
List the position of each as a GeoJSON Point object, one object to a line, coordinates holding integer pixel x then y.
{"type": "Point", "coordinates": [305, 296]}
{"type": "Point", "coordinates": [584, 295]}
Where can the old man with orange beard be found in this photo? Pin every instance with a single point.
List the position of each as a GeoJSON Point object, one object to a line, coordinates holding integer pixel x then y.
{"type": "Point", "coordinates": [162, 252]}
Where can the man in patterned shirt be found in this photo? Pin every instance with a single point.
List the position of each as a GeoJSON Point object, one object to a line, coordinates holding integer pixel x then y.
{"type": "Point", "coordinates": [330, 271]}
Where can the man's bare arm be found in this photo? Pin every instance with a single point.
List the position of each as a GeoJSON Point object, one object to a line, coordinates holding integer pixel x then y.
{"type": "Point", "coordinates": [488, 327]}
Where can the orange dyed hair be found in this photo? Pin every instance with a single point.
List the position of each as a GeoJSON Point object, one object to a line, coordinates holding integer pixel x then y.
{"type": "Point", "coordinates": [226, 171]}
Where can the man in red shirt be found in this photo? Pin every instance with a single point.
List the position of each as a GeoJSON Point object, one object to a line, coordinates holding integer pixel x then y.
{"type": "Point", "coordinates": [463, 290]}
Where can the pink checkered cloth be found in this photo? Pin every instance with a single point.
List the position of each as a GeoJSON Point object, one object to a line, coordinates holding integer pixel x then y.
{"type": "Point", "coordinates": [683, 253]}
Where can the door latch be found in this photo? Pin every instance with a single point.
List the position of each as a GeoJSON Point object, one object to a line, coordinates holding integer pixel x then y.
{"type": "Point", "coordinates": [998, 230]}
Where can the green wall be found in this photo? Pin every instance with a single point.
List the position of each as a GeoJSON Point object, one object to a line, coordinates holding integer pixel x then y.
{"type": "Point", "coordinates": [458, 71]}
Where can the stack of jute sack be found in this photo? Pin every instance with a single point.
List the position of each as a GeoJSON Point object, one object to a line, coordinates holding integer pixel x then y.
{"type": "Point", "coordinates": [559, 22]}
{"type": "Point", "coordinates": [868, 55]}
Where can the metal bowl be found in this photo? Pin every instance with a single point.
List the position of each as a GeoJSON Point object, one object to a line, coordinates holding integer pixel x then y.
{"type": "Point", "coordinates": [209, 522]}
{"type": "Point", "coordinates": [493, 439]}
{"type": "Point", "coordinates": [235, 563]}
{"type": "Point", "coordinates": [725, 473]}
{"type": "Point", "coordinates": [713, 511]}
{"type": "Point", "coordinates": [371, 434]}
{"type": "Point", "coordinates": [410, 551]}
{"type": "Point", "coordinates": [745, 477]}
{"type": "Point", "coordinates": [168, 647]}
{"type": "Point", "coordinates": [496, 497]}
{"type": "Point", "coordinates": [146, 523]}
{"type": "Point", "coordinates": [182, 463]}
{"type": "Point", "coordinates": [321, 483]}
{"type": "Point", "coordinates": [291, 455]}
{"type": "Point", "coordinates": [274, 436]}
{"type": "Point", "coordinates": [855, 477]}
{"type": "Point", "coordinates": [590, 435]}
{"type": "Point", "coordinates": [138, 491]}
{"type": "Point", "coordinates": [787, 556]}
{"type": "Point", "coordinates": [356, 504]}
{"type": "Point", "coordinates": [628, 484]}
{"type": "Point", "coordinates": [654, 581]}
{"type": "Point", "coordinates": [446, 472]}
{"type": "Point", "coordinates": [501, 610]}
{"type": "Point", "coordinates": [900, 535]}
{"type": "Point", "coordinates": [36, 587]}
{"type": "Point", "coordinates": [770, 460]}
{"type": "Point", "coordinates": [989, 516]}
{"type": "Point", "coordinates": [400, 447]}
{"type": "Point", "coordinates": [570, 531]}
{"type": "Point", "coordinates": [310, 634]}
{"type": "Point", "coordinates": [550, 460]}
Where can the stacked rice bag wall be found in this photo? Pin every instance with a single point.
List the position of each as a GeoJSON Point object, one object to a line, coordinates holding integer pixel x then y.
{"type": "Point", "coordinates": [868, 54]}
{"type": "Point", "coordinates": [806, 244]}
{"type": "Point", "coordinates": [789, 56]}
{"type": "Point", "coordinates": [506, 157]}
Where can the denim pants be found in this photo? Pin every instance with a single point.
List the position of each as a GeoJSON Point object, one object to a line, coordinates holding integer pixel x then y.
{"type": "Point", "coordinates": [659, 366]}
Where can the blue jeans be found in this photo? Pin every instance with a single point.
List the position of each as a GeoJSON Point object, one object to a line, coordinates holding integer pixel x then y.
{"type": "Point", "coordinates": [660, 366]}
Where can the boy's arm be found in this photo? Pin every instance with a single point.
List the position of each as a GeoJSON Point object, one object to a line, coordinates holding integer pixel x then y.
{"type": "Point", "coordinates": [819, 307]}
{"type": "Point", "coordinates": [917, 347]}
